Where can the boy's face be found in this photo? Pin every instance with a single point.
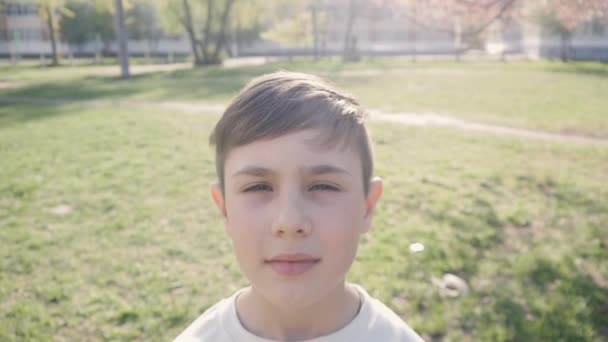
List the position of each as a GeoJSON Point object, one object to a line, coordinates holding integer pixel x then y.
{"type": "Point", "coordinates": [295, 212]}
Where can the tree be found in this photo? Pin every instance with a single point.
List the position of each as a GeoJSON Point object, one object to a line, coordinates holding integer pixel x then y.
{"type": "Point", "coordinates": [122, 35]}
{"type": "Point", "coordinates": [314, 17]}
{"type": "Point", "coordinates": [48, 11]}
{"type": "Point", "coordinates": [296, 23]}
{"type": "Point", "coordinates": [199, 19]}
{"type": "Point", "coordinates": [88, 22]}
{"type": "Point", "coordinates": [562, 17]}
{"type": "Point", "coordinates": [466, 20]}
{"type": "Point", "coordinates": [349, 52]}
{"type": "Point", "coordinates": [142, 21]}
{"type": "Point", "coordinates": [292, 30]}
{"type": "Point", "coordinates": [247, 22]}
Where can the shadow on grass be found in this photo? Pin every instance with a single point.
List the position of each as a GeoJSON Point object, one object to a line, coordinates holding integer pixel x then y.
{"type": "Point", "coordinates": [213, 84]}
{"type": "Point", "coordinates": [565, 195]}
{"type": "Point", "coordinates": [13, 113]}
{"type": "Point", "coordinates": [560, 304]}
{"type": "Point", "coordinates": [570, 302]}
{"type": "Point", "coordinates": [88, 89]}
{"type": "Point", "coordinates": [476, 225]}
{"type": "Point", "coordinates": [50, 98]}
{"type": "Point", "coordinates": [182, 84]}
{"type": "Point", "coordinates": [210, 84]}
{"type": "Point", "coordinates": [473, 230]}
{"type": "Point", "coordinates": [586, 69]}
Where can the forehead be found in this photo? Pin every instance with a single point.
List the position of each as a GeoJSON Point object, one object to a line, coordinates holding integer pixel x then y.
{"type": "Point", "coordinates": [296, 150]}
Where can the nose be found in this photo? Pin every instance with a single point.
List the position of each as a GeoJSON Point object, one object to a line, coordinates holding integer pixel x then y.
{"type": "Point", "coordinates": [291, 218]}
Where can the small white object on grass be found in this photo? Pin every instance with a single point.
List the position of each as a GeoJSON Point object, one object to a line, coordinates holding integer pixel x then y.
{"type": "Point", "coordinates": [416, 247]}
{"type": "Point", "coordinates": [62, 209]}
{"type": "Point", "coordinates": [451, 285]}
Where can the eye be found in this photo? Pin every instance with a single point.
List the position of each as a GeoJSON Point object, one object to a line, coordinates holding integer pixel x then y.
{"type": "Point", "coordinates": [324, 187]}
{"type": "Point", "coordinates": [258, 187]}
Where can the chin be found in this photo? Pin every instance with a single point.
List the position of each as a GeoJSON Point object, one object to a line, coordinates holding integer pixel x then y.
{"type": "Point", "coordinates": [293, 294]}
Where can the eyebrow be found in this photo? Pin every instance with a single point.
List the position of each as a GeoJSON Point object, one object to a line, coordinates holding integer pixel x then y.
{"type": "Point", "coordinates": [258, 171]}
{"type": "Point", "coordinates": [325, 169]}
{"type": "Point", "coordinates": [255, 171]}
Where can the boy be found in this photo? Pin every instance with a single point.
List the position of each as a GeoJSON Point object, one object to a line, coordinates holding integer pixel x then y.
{"type": "Point", "coordinates": [296, 192]}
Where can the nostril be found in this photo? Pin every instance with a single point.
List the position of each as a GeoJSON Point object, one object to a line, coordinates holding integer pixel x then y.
{"type": "Point", "coordinates": [284, 230]}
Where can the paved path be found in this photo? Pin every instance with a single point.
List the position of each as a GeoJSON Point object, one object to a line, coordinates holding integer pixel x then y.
{"type": "Point", "coordinates": [430, 119]}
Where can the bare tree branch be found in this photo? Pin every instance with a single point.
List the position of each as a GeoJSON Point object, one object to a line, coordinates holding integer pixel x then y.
{"type": "Point", "coordinates": [207, 32]}
{"type": "Point", "coordinates": [221, 37]}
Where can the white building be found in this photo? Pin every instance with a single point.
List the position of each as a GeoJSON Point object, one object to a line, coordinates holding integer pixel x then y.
{"type": "Point", "coordinates": [377, 30]}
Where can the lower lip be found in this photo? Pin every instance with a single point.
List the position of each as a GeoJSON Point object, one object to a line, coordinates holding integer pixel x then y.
{"type": "Point", "coordinates": [292, 268]}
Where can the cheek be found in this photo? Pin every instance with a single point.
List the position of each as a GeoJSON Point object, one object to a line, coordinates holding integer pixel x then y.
{"type": "Point", "coordinates": [245, 213]}
{"type": "Point", "coordinates": [340, 226]}
{"type": "Point", "coordinates": [344, 213]}
{"type": "Point", "coordinates": [245, 225]}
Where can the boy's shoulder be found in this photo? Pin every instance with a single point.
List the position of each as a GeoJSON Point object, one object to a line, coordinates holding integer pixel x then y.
{"type": "Point", "coordinates": [374, 322]}
{"type": "Point", "coordinates": [208, 326]}
{"type": "Point", "coordinates": [381, 323]}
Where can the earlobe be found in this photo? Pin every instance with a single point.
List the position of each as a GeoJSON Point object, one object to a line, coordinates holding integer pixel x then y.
{"type": "Point", "coordinates": [218, 198]}
{"type": "Point", "coordinates": [376, 188]}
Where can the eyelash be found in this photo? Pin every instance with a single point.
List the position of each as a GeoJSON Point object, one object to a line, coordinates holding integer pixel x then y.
{"type": "Point", "coordinates": [326, 187]}
{"type": "Point", "coordinates": [257, 187]}
{"type": "Point", "coordinates": [265, 187]}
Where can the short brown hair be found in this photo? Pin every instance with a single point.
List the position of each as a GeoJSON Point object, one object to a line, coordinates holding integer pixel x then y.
{"type": "Point", "coordinates": [284, 102]}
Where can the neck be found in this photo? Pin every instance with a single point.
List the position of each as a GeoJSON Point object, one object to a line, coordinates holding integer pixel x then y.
{"type": "Point", "coordinates": [330, 314]}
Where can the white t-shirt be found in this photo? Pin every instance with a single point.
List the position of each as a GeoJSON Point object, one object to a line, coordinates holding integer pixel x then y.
{"type": "Point", "coordinates": [374, 322]}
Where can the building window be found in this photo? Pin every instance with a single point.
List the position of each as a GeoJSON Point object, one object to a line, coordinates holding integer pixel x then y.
{"type": "Point", "coordinates": [32, 10]}
{"type": "Point", "coordinates": [20, 9]}
{"type": "Point", "coordinates": [11, 9]}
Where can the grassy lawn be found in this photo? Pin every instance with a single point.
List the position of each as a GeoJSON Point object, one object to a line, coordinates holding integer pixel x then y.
{"type": "Point", "coordinates": [557, 97]}
{"type": "Point", "coordinates": [107, 231]}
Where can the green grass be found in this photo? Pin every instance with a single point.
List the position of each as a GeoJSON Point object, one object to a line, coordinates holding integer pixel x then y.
{"type": "Point", "coordinates": [567, 98]}
{"type": "Point", "coordinates": [143, 252]}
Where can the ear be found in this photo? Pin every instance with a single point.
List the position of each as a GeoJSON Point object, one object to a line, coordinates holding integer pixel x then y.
{"type": "Point", "coordinates": [374, 193]}
{"type": "Point", "coordinates": [218, 198]}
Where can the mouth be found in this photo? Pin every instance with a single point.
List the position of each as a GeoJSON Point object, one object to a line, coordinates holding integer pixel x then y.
{"type": "Point", "coordinates": [292, 264]}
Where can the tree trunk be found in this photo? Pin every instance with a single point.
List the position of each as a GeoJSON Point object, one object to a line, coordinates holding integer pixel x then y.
{"type": "Point", "coordinates": [188, 25]}
{"type": "Point", "coordinates": [347, 52]}
{"type": "Point", "coordinates": [565, 46]}
{"type": "Point", "coordinates": [237, 38]}
{"type": "Point", "coordinates": [221, 36]}
{"type": "Point", "coordinates": [229, 39]}
{"type": "Point", "coordinates": [458, 39]}
{"type": "Point", "coordinates": [121, 35]}
{"type": "Point", "coordinates": [412, 38]}
{"type": "Point", "coordinates": [193, 47]}
{"type": "Point", "coordinates": [228, 48]}
{"type": "Point", "coordinates": [53, 33]}
{"type": "Point", "coordinates": [315, 31]}
{"type": "Point", "coordinates": [503, 40]}
{"type": "Point", "coordinates": [207, 34]}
